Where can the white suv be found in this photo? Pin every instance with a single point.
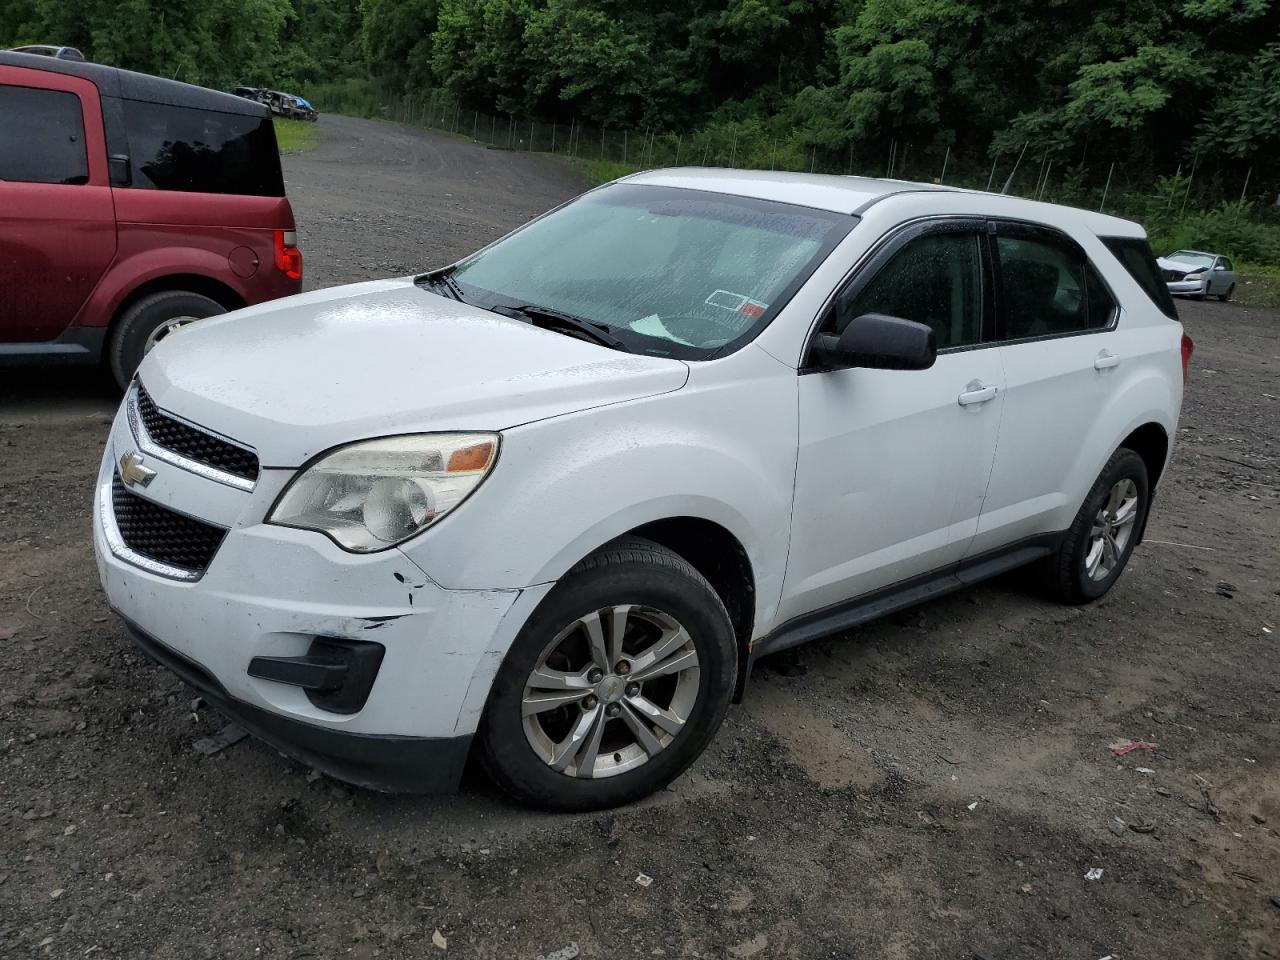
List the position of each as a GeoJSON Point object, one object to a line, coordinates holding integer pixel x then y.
{"type": "Point", "coordinates": [547, 505]}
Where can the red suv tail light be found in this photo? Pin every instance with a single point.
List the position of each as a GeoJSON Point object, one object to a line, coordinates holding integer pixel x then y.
{"type": "Point", "coordinates": [288, 256]}
{"type": "Point", "coordinates": [1187, 347]}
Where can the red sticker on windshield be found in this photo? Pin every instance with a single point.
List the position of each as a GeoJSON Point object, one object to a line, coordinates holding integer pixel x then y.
{"type": "Point", "coordinates": [751, 310]}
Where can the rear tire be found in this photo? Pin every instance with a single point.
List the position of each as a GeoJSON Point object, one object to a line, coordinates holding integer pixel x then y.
{"type": "Point", "coordinates": [1097, 545]}
{"type": "Point", "coordinates": [603, 744]}
{"type": "Point", "coordinates": [146, 322]}
{"type": "Point", "coordinates": [1227, 296]}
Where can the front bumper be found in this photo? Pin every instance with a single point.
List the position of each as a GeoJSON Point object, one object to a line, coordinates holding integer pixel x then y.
{"type": "Point", "coordinates": [1188, 288]}
{"type": "Point", "coordinates": [388, 763]}
{"type": "Point", "coordinates": [271, 591]}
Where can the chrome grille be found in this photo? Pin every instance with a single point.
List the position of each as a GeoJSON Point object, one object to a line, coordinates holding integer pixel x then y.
{"type": "Point", "coordinates": [187, 441]}
{"type": "Point", "coordinates": [163, 535]}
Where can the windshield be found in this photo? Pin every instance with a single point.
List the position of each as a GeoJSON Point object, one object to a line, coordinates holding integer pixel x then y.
{"type": "Point", "coordinates": [667, 271]}
{"type": "Point", "coordinates": [1194, 259]}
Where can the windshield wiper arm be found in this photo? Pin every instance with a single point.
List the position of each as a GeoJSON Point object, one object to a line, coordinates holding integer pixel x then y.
{"type": "Point", "coordinates": [443, 277]}
{"type": "Point", "coordinates": [551, 319]}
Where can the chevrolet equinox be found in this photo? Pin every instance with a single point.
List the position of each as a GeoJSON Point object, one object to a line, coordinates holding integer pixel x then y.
{"type": "Point", "coordinates": [545, 506]}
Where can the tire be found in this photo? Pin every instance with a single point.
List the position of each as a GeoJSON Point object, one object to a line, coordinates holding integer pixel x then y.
{"type": "Point", "coordinates": [615, 766]}
{"type": "Point", "coordinates": [1070, 573]}
{"type": "Point", "coordinates": [1227, 296]}
{"type": "Point", "coordinates": [131, 337]}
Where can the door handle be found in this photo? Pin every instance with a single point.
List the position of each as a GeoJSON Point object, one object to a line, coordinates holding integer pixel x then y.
{"type": "Point", "coordinates": [977, 393]}
{"type": "Point", "coordinates": [1106, 360]}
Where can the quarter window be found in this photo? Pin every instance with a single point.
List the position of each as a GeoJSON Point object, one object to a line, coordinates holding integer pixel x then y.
{"type": "Point", "coordinates": [44, 142]}
{"type": "Point", "coordinates": [935, 280]}
{"type": "Point", "coordinates": [1135, 256]}
{"type": "Point", "coordinates": [1050, 289]}
{"type": "Point", "coordinates": [202, 151]}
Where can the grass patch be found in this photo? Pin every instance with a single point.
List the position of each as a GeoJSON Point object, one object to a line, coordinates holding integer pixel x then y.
{"type": "Point", "coordinates": [294, 136]}
{"type": "Point", "coordinates": [597, 172]}
{"type": "Point", "coordinates": [1259, 285]}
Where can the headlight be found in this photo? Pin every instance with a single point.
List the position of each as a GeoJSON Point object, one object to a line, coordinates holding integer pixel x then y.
{"type": "Point", "coordinates": [372, 495]}
{"type": "Point", "coordinates": [1194, 276]}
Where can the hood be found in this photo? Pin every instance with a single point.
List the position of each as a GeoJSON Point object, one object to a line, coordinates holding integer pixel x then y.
{"type": "Point", "coordinates": [297, 376]}
{"type": "Point", "coordinates": [1177, 265]}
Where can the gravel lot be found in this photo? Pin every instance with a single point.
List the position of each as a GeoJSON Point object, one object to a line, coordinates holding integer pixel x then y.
{"type": "Point", "coordinates": [935, 785]}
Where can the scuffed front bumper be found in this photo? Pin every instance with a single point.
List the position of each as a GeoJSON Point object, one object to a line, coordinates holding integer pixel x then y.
{"type": "Point", "coordinates": [271, 591]}
{"type": "Point", "coordinates": [388, 763]}
{"type": "Point", "coordinates": [1188, 288]}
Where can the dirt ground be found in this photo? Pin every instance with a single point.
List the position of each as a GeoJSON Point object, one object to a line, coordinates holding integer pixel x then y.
{"type": "Point", "coordinates": [934, 785]}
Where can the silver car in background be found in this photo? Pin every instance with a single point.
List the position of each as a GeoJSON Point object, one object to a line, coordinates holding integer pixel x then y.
{"type": "Point", "coordinates": [1192, 273]}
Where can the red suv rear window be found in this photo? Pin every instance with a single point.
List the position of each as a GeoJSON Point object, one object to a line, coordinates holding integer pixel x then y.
{"type": "Point", "coordinates": [202, 151]}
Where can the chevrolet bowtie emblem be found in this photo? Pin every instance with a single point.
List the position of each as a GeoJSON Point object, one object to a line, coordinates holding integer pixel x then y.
{"type": "Point", "coordinates": [134, 472]}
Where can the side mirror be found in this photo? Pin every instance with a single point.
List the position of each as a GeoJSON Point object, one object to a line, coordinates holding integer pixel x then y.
{"type": "Point", "coordinates": [877, 341]}
{"type": "Point", "coordinates": [1219, 267]}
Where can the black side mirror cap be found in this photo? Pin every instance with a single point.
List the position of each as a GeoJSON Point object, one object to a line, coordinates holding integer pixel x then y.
{"type": "Point", "coordinates": [877, 341]}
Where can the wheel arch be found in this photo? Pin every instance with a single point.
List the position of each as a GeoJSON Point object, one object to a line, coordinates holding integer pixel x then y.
{"type": "Point", "coordinates": [718, 555]}
{"type": "Point", "coordinates": [206, 286]}
{"type": "Point", "coordinates": [1151, 443]}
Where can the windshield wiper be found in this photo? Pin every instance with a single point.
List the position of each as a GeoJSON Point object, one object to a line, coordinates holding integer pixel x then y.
{"type": "Point", "coordinates": [442, 278]}
{"type": "Point", "coordinates": [550, 319]}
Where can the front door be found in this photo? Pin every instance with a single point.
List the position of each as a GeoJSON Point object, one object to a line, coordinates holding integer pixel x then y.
{"type": "Point", "coordinates": [57, 217]}
{"type": "Point", "coordinates": [893, 464]}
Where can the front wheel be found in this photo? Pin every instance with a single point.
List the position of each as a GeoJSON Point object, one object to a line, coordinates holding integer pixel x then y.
{"type": "Point", "coordinates": [1227, 296]}
{"type": "Point", "coordinates": [148, 322]}
{"type": "Point", "coordinates": [1100, 540]}
{"type": "Point", "coordinates": [615, 685]}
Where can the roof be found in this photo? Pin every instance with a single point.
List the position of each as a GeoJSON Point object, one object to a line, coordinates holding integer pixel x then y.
{"type": "Point", "coordinates": [854, 195]}
{"type": "Point", "coordinates": [819, 190]}
{"type": "Point", "coordinates": [114, 82]}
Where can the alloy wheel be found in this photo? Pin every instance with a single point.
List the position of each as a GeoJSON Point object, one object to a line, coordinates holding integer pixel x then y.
{"type": "Point", "coordinates": [164, 330]}
{"type": "Point", "coordinates": [1112, 530]}
{"type": "Point", "coordinates": [611, 691]}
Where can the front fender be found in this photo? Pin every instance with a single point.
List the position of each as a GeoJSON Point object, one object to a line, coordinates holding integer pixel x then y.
{"type": "Point", "coordinates": [721, 450]}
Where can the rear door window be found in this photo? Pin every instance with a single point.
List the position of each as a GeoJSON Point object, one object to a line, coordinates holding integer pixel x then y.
{"type": "Point", "coordinates": [202, 151]}
{"type": "Point", "coordinates": [1049, 288]}
{"type": "Point", "coordinates": [41, 136]}
{"type": "Point", "coordinates": [1135, 256]}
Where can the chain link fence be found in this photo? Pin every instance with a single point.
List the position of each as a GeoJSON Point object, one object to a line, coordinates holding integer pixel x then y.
{"type": "Point", "coordinates": [1030, 170]}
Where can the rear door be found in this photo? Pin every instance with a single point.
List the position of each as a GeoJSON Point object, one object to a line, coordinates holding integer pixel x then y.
{"type": "Point", "coordinates": [1063, 357]}
{"type": "Point", "coordinates": [57, 220]}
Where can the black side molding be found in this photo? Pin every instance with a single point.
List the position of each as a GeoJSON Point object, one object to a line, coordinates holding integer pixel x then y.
{"type": "Point", "coordinates": [899, 596]}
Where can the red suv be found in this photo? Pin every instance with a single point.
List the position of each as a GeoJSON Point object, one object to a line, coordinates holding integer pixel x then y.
{"type": "Point", "coordinates": [130, 205]}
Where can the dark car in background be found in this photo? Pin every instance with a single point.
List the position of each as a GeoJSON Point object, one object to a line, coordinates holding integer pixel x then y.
{"type": "Point", "coordinates": [305, 110]}
{"type": "Point", "coordinates": [130, 206]}
{"type": "Point", "coordinates": [256, 94]}
{"type": "Point", "coordinates": [51, 50]}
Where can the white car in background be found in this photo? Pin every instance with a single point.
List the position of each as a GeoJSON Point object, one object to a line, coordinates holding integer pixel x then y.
{"type": "Point", "coordinates": [547, 505]}
{"type": "Point", "coordinates": [1191, 273]}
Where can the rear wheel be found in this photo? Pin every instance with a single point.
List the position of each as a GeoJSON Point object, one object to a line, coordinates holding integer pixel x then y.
{"type": "Point", "coordinates": [1105, 530]}
{"type": "Point", "coordinates": [149, 321]}
{"type": "Point", "coordinates": [614, 686]}
{"type": "Point", "coordinates": [1227, 296]}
